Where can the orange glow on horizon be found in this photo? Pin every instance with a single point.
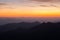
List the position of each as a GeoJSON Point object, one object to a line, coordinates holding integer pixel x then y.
{"type": "Point", "coordinates": [29, 13]}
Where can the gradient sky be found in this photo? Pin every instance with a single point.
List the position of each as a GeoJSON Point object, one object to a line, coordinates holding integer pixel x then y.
{"type": "Point", "coordinates": [29, 8]}
{"type": "Point", "coordinates": [29, 11]}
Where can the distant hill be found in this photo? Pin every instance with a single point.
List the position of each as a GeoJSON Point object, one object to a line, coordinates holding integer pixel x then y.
{"type": "Point", "coordinates": [22, 25]}
{"type": "Point", "coordinates": [36, 30]}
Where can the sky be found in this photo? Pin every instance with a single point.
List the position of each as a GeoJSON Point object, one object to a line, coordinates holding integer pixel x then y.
{"type": "Point", "coordinates": [30, 8]}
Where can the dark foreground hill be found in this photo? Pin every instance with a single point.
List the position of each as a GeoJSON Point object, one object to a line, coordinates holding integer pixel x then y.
{"type": "Point", "coordinates": [48, 31]}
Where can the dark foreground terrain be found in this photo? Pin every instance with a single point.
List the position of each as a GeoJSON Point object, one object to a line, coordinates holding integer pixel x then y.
{"type": "Point", "coordinates": [41, 31]}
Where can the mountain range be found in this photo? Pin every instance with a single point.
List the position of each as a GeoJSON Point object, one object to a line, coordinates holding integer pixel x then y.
{"type": "Point", "coordinates": [30, 31]}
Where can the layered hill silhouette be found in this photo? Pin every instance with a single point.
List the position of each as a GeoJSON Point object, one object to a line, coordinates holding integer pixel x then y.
{"type": "Point", "coordinates": [30, 31]}
{"type": "Point", "coordinates": [22, 25]}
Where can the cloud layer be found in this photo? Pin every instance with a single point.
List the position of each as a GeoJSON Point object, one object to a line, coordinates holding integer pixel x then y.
{"type": "Point", "coordinates": [48, 3]}
{"type": "Point", "coordinates": [29, 3]}
{"type": "Point", "coordinates": [46, 0]}
{"type": "Point", "coordinates": [42, 0]}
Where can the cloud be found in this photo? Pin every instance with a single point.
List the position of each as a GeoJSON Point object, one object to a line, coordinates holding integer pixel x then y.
{"type": "Point", "coordinates": [53, 5]}
{"type": "Point", "coordinates": [46, 0]}
{"type": "Point", "coordinates": [44, 5]}
{"type": "Point", "coordinates": [6, 5]}
{"type": "Point", "coordinates": [42, 0]}
{"type": "Point", "coordinates": [2, 4]}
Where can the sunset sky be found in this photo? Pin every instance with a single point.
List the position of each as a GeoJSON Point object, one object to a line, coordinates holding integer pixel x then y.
{"type": "Point", "coordinates": [29, 8]}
